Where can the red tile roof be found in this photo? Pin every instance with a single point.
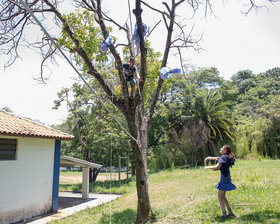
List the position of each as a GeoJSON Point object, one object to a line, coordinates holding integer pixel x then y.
{"type": "Point", "coordinates": [13, 125]}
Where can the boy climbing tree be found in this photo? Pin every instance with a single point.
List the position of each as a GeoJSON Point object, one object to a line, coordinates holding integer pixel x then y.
{"type": "Point", "coordinates": [129, 69]}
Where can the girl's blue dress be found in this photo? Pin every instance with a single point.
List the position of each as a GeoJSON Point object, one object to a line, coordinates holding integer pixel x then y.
{"type": "Point", "coordinates": [225, 181]}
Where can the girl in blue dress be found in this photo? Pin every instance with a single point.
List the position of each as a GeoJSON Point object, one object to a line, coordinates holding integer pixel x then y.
{"type": "Point", "coordinates": [226, 160]}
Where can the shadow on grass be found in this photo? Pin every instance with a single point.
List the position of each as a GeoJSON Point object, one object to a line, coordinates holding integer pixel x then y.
{"type": "Point", "coordinates": [106, 184]}
{"type": "Point", "coordinates": [266, 216]}
{"type": "Point", "coordinates": [127, 216]}
{"type": "Point", "coordinates": [262, 216]}
{"type": "Point", "coordinates": [169, 169]}
{"type": "Point", "coordinates": [221, 219]}
{"type": "Point", "coordinates": [185, 167]}
{"type": "Point", "coordinates": [98, 184]}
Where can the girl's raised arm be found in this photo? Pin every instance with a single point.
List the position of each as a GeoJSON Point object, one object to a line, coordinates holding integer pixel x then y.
{"type": "Point", "coordinates": [211, 158]}
{"type": "Point", "coordinates": [216, 167]}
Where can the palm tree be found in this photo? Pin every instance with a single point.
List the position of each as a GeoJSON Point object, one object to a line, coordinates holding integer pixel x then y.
{"type": "Point", "coordinates": [215, 114]}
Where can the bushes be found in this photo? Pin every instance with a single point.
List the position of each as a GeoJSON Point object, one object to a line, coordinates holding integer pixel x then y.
{"type": "Point", "coordinates": [255, 139]}
{"type": "Point", "coordinates": [164, 158]}
{"type": "Point", "coordinates": [169, 155]}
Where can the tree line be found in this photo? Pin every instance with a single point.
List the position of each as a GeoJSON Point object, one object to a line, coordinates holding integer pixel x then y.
{"type": "Point", "coordinates": [196, 114]}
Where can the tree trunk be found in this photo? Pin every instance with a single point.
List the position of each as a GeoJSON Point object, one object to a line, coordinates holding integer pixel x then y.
{"type": "Point", "coordinates": [93, 173]}
{"type": "Point", "coordinates": [143, 206]}
{"type": "Point", "coordinates": [212, 147]}
{"type": "Point", "coordinates": [139, 153]}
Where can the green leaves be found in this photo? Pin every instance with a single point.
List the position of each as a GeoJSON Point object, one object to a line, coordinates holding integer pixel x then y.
{"type": "Point", "coordinates": [205, 78]}
{"type": "Point", "coordinates": [87, 32]}
{"type": "Point", "coordinates": [90, 123]}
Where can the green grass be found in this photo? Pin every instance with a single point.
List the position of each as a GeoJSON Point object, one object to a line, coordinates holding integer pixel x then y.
{"type": "Point", "coordinates": [189, 196]}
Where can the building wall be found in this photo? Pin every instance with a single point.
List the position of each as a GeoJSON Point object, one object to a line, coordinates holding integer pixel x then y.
{"type": "Point", "coordinates": [26, 183]}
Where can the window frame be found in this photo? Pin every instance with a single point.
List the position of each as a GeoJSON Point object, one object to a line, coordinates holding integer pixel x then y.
{"type": "Point", "coordinates": [16, 150]}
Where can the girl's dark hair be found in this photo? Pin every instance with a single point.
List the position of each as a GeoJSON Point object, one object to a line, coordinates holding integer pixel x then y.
{"type": "Point", "coordinates": [227, 147]}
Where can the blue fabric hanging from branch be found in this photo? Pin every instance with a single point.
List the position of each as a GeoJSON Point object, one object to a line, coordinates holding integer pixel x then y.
{"type": "Point", "coordinates": [167, 73]}
{"type": "Point", "coordinates": [137, 38]}
{"type": "Point", "coordinates": [106, 43]}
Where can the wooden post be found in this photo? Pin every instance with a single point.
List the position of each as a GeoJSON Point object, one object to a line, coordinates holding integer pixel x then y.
{"type": "Point", "coordinates": [120, 170]}
{"type": "Point", "coordinates": [127, 170]}
{"type": "Point", "coordinates": [85, 184]}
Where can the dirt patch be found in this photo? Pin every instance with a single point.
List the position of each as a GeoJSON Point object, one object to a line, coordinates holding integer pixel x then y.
{"type": "Point", "coordinates": [70, 179]}
{"type": "Point", "coordinates": [77, 179]}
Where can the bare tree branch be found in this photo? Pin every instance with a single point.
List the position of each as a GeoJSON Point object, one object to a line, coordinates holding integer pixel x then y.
{"type": "Point", "coordinates": [166, 5]}
{"type": "Point", "coordinates": [155, 9]}
{"type": "Point", "coordinates": [181, 61]}
{"type": "Point", "coordinates": [253, 6]}
{"type": "Point", "coordinates": [150, 31]}
{"type": "Point", "coordinates": [129, 40]}
{"type": "Point", "coordinates": [107, 18]}
{"type": "Point", "coordinates": [123, 45]}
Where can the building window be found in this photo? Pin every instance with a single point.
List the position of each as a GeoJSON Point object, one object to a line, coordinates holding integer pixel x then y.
{"type": "Point", "coordinates": [8, 149]}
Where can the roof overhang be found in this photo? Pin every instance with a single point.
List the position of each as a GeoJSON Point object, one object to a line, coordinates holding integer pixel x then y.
{"type": "Point", "coordinates": [37, 136]}
{"type": "Point", "coordinates": [67, 161]}
{"type": "Point", "coordinates": [13, 125]}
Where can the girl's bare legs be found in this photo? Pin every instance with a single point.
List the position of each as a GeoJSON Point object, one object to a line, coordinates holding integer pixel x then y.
{"type": "Point", "coordinates": [221, 195]}
{"type": "Point", "coordinates": [227, 204]}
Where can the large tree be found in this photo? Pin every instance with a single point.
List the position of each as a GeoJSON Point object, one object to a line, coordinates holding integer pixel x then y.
{"type": "Point", "coordinates": [15, 20]}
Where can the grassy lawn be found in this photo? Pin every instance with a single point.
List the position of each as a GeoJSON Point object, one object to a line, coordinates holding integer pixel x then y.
{"type": "Point", "coordinates": [189, 196]}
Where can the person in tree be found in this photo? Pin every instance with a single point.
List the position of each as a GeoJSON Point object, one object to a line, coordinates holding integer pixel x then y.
{"type": "Point", "coordinates": [226, 160]}
{"type": "Point", "coordinates": [129, 70]}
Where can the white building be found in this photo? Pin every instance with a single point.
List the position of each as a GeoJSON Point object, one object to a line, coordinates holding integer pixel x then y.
{"type": "Point", "coordinates": [29, 168]}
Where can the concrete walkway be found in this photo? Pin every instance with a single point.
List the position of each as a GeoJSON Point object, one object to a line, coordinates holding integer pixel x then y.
{"type": "Point", "coordinates": [70, 203]}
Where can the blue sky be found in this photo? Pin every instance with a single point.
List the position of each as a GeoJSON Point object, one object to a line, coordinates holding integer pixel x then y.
{"type": "Point", "coordinates": [231, 42]}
